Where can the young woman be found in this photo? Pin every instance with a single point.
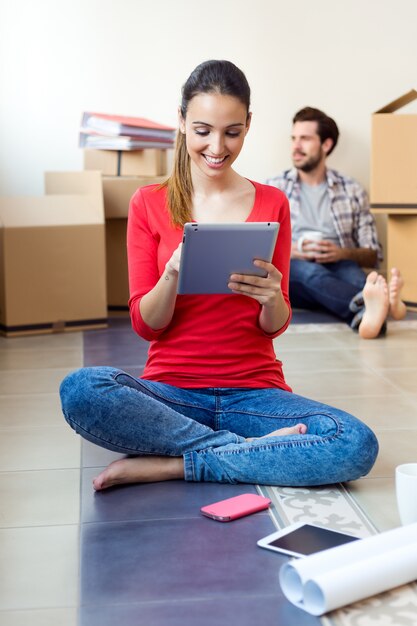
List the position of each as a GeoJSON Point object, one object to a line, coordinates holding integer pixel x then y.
{"type": "Point", "coordinates": [212, 404]}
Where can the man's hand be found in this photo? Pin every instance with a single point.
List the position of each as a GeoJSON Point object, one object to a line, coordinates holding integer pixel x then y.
{"type": "Point", "coordinates": [301, 256]}
{"type": "Point", "coordinates": [328, 252]}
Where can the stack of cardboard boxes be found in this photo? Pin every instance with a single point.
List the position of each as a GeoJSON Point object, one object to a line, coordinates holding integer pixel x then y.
{"type": "Point", "coordinates": [122, 174]}
{"type": "Point", "coordinates": [52, 259]}
{"type": "Point", "coordinates": [63, 261]}
{"type": "Point", "coordinates": [394, 186]}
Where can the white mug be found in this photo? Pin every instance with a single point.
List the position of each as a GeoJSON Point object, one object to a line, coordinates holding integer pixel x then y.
{"type": "Point", "coordinates": [406, 490]}
{"type": "Point", "coordinates": [311, 235]}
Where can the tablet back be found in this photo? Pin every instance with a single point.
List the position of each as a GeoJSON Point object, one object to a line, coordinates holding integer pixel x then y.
{"type": "Point", "coordinates": [212, 252]}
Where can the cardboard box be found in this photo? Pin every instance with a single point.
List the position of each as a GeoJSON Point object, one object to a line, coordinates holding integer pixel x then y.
{"type": "Point", "coordinates": [401, 250]}
{"type": "Point", "coordinates": [52, 264]}
{"type": "Point", "coordinates": [394, 155]}
{"type": "Point", "coordinates": [149, 162]}
{"type": "Point", "coordinates": [79, 183]}
{"type": "Point", "coordinates": [117, 192]}
{"type": "Point", "coordinates": [402, 253]}
{"type": "Point", "coordinates": [116, 257]}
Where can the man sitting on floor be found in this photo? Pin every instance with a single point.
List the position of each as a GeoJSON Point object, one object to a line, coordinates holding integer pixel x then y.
{"type": "Point", "coordinates": [334, 234]}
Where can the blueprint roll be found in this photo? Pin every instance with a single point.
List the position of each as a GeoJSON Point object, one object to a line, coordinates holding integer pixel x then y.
{"type": "Point", "coordinates": [334, 578]}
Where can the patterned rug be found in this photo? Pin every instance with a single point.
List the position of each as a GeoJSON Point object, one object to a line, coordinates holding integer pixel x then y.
{"type": "Point", "coordinates": [334, 507]}
{"type": "Point", "coordinates": [300, 326]}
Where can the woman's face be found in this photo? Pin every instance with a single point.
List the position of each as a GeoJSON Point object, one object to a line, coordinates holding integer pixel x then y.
{"type": "Point", "coordinates": [215, 128]}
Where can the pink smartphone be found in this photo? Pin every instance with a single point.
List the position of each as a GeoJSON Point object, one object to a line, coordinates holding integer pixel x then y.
{"type": "Point", "coordinates": [232, 508]}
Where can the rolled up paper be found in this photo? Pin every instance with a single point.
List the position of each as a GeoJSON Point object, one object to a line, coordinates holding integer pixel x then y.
{"type": "Point", "coordinates": [334, 578]}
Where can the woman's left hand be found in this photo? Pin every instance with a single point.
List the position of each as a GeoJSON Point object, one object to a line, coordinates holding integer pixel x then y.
{"type": "Point", "coordinates": [264, 290]}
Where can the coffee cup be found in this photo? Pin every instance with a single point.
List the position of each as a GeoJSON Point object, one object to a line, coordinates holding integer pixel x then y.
{"type": "Point", "coordinates": [309, 235]}
{"type": "Point", "coordinates": [406, 490]}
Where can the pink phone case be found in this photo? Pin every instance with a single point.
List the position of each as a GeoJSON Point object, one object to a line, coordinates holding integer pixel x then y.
{"type": "Point", "coordinates": [232, 508]}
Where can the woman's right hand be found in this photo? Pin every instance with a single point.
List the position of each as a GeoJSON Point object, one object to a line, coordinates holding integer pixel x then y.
{"type": "Point", "coordinates": [157, 306]}
{"type": "Point", "coordinates": [173, 265]}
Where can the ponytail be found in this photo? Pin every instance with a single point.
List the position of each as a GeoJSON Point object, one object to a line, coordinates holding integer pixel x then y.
{"type": "Point", "coordinates": [179, 185]}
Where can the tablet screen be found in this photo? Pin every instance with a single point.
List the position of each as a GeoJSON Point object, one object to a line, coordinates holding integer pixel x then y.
{"type": "Point", "coordinates": [309, 539]}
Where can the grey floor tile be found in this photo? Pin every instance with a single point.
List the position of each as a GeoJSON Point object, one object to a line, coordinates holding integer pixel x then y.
{"type": "Point", "coordinates": [54, 341]}
{"type": "Point", "coordinates": [40, 617]}
{"type": "Point", "coordinates": [40, 498]}
{"type": "Point", "coordinates": [377, 498]}
{"type": "Point", "coordinates": [32, 381]}
{"type": "Point", "coordinates": [39, 448]}
{"type": "Point", "coordinates": [403, 379]}
{"type": "Point", "coordinates": [39, 567]}
{"type": "Point", "coordinates": [164, 500]}
{"type": "Point", "coordinates": [17, 360]}
{"type": "Point", "coordinates": [96, 456]}
{"type": "Point", "coordinates": [30, 409]}
{"type": "Point", "coordinates": [265, 610]}
{"type": "Point", "coordinates": [396, 337]}
{"type": "Point", "coordinates": [379, 412]}
{"type": "Point", "coordinates": [385, 357]}
{"type": "Point", "coordinates": [305, 341]}
{"type": "Point", "coordinates": [320, 383]}
{"type": "Point", "coordinates": [307, 360]}
{"type": "Point", "coordinates": [395, 447]}
{"type": "Point", "coordinates": [123, 562]}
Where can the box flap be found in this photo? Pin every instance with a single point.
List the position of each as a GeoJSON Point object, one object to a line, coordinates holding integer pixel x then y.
{"type": "Point", "coordinates": [78, 183]}
{"type": "Point", "coordinates": [64, 210]}
{"type": "Point", "coordinates": [399, 102]}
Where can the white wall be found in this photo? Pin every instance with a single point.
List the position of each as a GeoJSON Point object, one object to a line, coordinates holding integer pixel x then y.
{"type": "Point", "coordinates": [58, 58]}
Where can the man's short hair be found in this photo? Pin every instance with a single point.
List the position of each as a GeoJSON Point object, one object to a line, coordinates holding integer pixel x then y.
{"type": "Point", "coordinates": [326, 126]}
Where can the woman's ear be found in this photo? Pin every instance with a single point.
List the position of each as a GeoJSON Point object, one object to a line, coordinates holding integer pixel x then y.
{"type": "Point", "coordinates": [181, 121]}
{"type": "Point", "coordinates": [248, 121]}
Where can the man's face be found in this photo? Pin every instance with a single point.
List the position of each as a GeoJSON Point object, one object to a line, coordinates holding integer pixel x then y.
{"type": "Point", "coordinates": [307, 151]}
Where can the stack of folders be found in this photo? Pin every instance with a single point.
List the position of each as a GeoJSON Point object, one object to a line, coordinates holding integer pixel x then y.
{"type": "Point", "coordinates": [102, 131]}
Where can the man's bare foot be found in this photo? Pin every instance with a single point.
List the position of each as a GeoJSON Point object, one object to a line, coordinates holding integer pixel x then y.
{"type": "Point", "coordinates": [140, 469]}
{"type": "Point", "coordinates": [397, 308]}
{"type": "Point", "coordinates": [375, 295]}
{"type": "Point", "coordinates": [298, 429]}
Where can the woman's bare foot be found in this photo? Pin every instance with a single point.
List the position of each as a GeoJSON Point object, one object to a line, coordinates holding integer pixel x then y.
{"type": "Point", "coordinates": [140, 469]}
{"type": "Point", "coordinates": [397, 307]}
{"type": "Point", "coordinates": [298, 429]}
{"type": "Point", "coordinates": [375, 295]}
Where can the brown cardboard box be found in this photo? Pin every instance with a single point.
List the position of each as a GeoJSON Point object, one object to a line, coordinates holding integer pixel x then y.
{"type": "Point", "coordinates": [402, 253]}
{"type": "Point", "coordinates": [117, 192]}
{"type": "Point", "coordinates": [79, 183]}
{"type": "Point", "coordinates": [52, 264]}
{"type": "Point", "coordinates": [401, 248]}
{"type": "Point", "coordinates": [149, 162]}
{"type": "Point", "coordinates": [394, 155]}
{"type": "Point", "coordinates": [116, 258]}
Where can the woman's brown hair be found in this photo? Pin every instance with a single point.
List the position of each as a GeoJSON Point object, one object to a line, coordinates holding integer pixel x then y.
{"type": "Point", "coordinates": [221, 77]}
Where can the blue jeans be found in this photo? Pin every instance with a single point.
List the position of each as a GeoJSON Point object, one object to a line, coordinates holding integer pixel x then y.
{"type": "Point", "coordinates": [330, 286]}
{"type": "Point", "coordinates": [209, 427]}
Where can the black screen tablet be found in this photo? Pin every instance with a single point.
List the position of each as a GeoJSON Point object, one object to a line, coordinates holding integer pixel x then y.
{"type": "Point", "coordinates": [212, 252]}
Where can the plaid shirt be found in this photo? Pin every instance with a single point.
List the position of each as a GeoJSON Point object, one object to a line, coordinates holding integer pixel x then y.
{"type": "Point", "coordinates": [353, 221]}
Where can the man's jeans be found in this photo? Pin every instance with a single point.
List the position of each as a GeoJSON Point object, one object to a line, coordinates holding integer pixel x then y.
{"type": "Point", "coordinates": [330, 286]}
{"type": "Point", "coordinates": [209, 427]}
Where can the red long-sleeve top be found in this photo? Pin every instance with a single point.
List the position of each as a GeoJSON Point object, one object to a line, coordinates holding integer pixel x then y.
{"type": "Point", "coordinates": [212, 340]}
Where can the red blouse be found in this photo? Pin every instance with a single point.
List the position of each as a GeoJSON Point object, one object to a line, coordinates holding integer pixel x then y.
{"type": "Point", "coordinates": [212, 340]}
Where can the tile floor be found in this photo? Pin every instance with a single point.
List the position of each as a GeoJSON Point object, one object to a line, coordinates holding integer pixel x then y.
{"type": "Point", "coordinates": [143, 554]}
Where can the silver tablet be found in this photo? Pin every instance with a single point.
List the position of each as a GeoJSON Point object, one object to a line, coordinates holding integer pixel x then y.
{"type": "Point", "coordinates": [212, 252]}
